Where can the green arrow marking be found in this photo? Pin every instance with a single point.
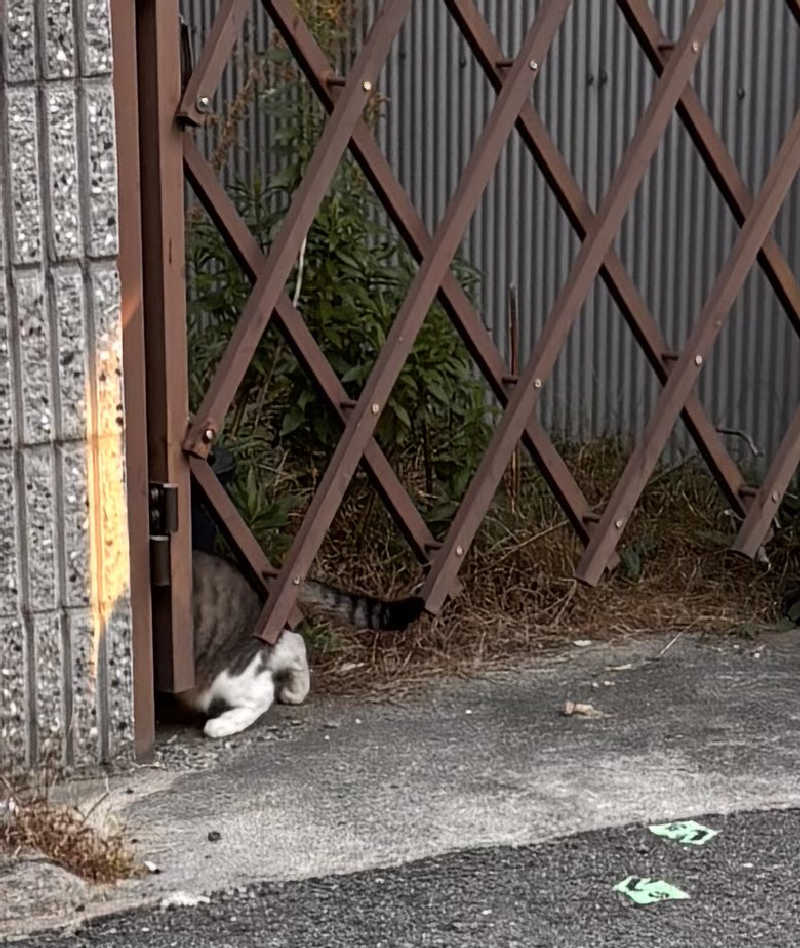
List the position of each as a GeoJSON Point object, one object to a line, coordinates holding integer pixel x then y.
{"type": "Point", "coordinates": [686, 832]}
{"type": "Point", "coordinates": [644, 891]}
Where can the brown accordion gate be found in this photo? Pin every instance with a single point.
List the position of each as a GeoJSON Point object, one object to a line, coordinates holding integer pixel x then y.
{"type": "Point", "coordinates": [169, 109]}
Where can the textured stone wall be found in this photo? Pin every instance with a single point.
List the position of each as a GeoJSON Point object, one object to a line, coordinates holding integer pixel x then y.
{"type": "Point", "coordinates": [65, 651]}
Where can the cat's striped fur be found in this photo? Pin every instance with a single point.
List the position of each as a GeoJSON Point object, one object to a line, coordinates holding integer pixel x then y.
{"type": "Point", "coordinates": [238, 676]}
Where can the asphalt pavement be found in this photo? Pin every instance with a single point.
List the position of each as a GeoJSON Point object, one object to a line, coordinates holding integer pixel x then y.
{"type": "Point", "coordinates": [473, 812]}
{"type": "Point", "coordinates": [742, 888]}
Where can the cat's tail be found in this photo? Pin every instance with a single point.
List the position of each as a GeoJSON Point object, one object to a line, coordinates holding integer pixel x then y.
{"type": "Point", "coordinates": [360, 611]}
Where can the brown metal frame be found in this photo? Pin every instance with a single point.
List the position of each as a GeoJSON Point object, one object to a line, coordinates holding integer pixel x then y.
{"type": "Point", "coordinates": [344, 98]}
{"type": "Point", "coordinates": [163, 264]}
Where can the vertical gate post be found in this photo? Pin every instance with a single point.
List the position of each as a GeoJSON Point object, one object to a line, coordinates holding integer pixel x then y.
{"type": "Point", "coordinates": [163, 260]}
{"type": "Point", "coordinates": [126, 100]}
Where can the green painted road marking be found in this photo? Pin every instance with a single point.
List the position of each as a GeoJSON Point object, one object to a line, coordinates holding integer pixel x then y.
{"type": "Point", "coordinates": [687, 832]}
{"type": "Point", "coordinates": [645, 891]}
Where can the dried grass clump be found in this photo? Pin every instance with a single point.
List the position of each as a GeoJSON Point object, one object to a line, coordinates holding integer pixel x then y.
{"type": "Point", "coordinates": [519, 595]}
{"type": "Point", "coordinates": [64, 835]}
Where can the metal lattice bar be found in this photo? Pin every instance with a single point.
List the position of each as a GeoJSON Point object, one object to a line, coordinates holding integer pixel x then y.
{"type": "Point", "coordinates": [400, 340]}
{"type": "Point", "coordinates": [757, 522]}
{"type": "Point", "coordinates": [570, 300]}
{"type": "Point", "coordinates": [203, 82]}
{"type": "Point", "coordinates": [230, 520]}
{"type": "Point", "coordinates": [286, 246]}
{"type": "Point", "coordinates": [234, 529]}
{"type": "Point", "coordinates": [681, 381]}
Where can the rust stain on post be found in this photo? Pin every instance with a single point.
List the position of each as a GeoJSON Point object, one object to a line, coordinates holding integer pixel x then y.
{"type": "Point", "coordinates": [108, 509]}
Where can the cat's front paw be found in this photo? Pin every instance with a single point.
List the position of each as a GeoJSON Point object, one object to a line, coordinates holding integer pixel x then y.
{"type": "Point", "coordinates": [216, 727]}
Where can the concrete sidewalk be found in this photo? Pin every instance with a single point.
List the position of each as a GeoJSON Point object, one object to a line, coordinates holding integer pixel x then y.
{"type": "Point", "coordinates": [344, 785]}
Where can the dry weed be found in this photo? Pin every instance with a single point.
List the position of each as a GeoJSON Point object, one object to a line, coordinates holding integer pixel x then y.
{"type": "Point", "coordinates": [65, 836]}
{"type": "Point", "coordinates": [519, 595]}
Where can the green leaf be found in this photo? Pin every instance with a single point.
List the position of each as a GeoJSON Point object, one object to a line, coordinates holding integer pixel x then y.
{"type": "Point", "coordinates": [402, 415]}
{"type": "Point", "coordinates": [631, 563]}
{"type": "Point", "coordinates": [437, 390]}
{"type": "Point", "coordinates": [292, 420]}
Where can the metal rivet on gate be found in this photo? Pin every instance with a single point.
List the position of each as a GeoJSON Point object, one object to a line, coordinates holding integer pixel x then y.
{"type": "Point", "coordinates": [698, 360]}
{"type": "Point", "coordinates": [695, 46]}
{"type": "Point", "coordinates": [459, 551]}
{"type": "Point", "coordinates": [367, 85]}
{"type": "Point", "coordinates": [534, 65]}
{"type": "Point", "coordinates": [619, 524]}
{"type": "Point", "coordinates": [775, 496]}
{"type": "Point", "coordinates": [537, 383]}
{"type": "Point", "coordinates": [203, 103]}
{"type": "Point", "coordinates": [375, 408]}
{"type": "Point", "coordinates": [208, 435]}
{"type": "Point", "coordinates": [296, 581]}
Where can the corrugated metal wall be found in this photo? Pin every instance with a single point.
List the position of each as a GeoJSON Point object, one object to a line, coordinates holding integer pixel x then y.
{"type": "Point", "coordinates": [594, 87]}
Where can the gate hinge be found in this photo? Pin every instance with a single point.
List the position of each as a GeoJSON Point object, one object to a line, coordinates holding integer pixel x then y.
{"type": "Point", "coordinates": [163, 522]}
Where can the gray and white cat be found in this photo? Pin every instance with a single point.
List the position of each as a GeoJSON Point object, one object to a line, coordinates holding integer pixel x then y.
{"type": "Point", "coordinates": [237, 675]}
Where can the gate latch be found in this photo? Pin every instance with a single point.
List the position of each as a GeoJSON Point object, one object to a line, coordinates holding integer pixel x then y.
{"type": "Point", "coordinates": [163, 522]}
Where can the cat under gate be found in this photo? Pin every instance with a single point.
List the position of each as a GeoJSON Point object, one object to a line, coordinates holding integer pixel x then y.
{"type": "Point", "coordinates": [237, 675]}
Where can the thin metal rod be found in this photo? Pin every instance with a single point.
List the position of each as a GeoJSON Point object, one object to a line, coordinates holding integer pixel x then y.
{"type": "Point", "coordinates": [512, 331]}
{"type": "Point", "coordinates": [569, 302]}
{"type": "Point", "coordinates": [423, 291]}
{"type": "Point", "coordinates": [683, 378]}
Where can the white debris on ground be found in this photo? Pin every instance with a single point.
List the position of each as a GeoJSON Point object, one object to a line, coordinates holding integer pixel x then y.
{"type": "Point", "coordinates": [181, 899]}
{"type": "Point", "coordinates": [582, 710]}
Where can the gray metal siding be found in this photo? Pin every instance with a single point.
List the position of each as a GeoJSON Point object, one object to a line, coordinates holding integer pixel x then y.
{"type": "Point", "coordinates": [591, 93]}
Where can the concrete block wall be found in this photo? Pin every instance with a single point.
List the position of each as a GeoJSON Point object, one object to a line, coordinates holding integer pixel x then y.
{"type": "Point", "coordinates": [65, 648]}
